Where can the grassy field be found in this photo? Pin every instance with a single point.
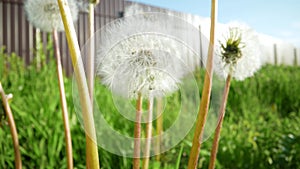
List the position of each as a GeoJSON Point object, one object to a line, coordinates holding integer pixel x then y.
{"type": "Point", "coordinates": [261, 128]}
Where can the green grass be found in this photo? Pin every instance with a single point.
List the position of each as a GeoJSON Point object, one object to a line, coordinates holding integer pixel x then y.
{"type": "Point", "coordinates": [261, 128]}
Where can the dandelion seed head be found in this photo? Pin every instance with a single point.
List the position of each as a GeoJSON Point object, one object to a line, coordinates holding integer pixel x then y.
{"type": "Point", "coordinates": [231, 52]}
{"type": "Point", "coordinates": [238, 52]}
{"type": "Point", "coordinates": [94, 1]}
{"type": "Point", "coordinates": [131, 62]}
{"type": "Point", "coordinates": [45, 14]}
{"type": "Point", "coordinates": [141, 65]}
{"type": "Point", "coordinates": [133, 9]}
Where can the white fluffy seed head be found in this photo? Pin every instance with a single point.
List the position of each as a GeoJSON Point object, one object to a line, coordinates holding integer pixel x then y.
{"type": "Point", "coordinates": [149, 63]}
{"type": "Point", "coordinates": [133, 9]}
{"type": "Point", "coordinates": [142, 64]}
{"type": "Point", "coordinates": [45, 14]}
{"type": "Point", "coordinates": [247, 62]}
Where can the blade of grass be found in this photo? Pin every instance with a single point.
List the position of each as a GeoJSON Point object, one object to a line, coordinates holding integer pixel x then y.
{"type": "Point", "coordinates": [179, 157]}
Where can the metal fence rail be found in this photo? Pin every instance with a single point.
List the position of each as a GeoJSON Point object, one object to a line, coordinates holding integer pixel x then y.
{"type": "Point", "coordinates": [18, 36]}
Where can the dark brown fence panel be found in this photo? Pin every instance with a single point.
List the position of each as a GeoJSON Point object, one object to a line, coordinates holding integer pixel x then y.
{"type": "Point", "coordinates": [1, 23]}
{"type": "Point", "coordinates": [20, 37]}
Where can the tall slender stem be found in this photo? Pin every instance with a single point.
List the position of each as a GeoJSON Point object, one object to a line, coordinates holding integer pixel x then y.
{"type": "Point", "coordinates": [63, 101]}
{"type": "Point", "coordinates": [13, 129]}
{"type": "Point", "coordinates": [205, 100]}
{"type": "Point", "coordinates": [148, 134]}
{"type": "Point", "coordinates": [86, 106]}
{"type": "Point", "coordinates": [214, 151]}
{"type": "Point", "coordinates": [90, 61]}
{"type": "Point", "coordinates": [137, 133]}
{"type": "Point", "coordinates": [159, 127]}
{"type": "Point", "coordinates": [91, 58]}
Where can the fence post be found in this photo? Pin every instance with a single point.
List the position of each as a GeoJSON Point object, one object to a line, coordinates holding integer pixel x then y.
{"type": "Point", "coordinates": [275, 54]}
{"type": "Point", "coordinates": [295, 57]}
{"type": "Point", "coordinates": [4, 26]}
{"type": "Point", "coordinates": [200, 39]}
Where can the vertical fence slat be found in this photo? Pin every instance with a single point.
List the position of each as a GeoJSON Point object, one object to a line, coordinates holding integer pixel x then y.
{"type": "Point", "coordinates": [111, 8]}
{"type": "Point", "coordinates": [78, 27]}
{"type": "Point", "coordinates": [20, 30]}
{"type": "Point", "coordinates": [63, 51]}
{"type": "Point", "coordinates": [69, 62]}
{"type": "Point", "coordinates": [27, 46]}
{"type": "Point", "coordinates": [23, 29]}
{"type": "Point", "coordinates": [81, 29]}
{"type": "Point", "coordinates": [8, 26]}
{"type": "Point", "coordinates": [117, 7]}
{"type": "Point", "coordinates": [61, 48]}
{"type": "Point", "coordinates": [201, 50]}
{"type": "Point", "coordinates": [31, 42]}
{"type": "Point", "coordinates": [96, 18]}
{"type": "Point", "coordinates": [5, 32]}
{"type": "Point", "coordinates": [123, 6]}
{"type": "Point", "coordinates": [44, 40]}
{"type": "Point", "coordinates": [86, 28]}
{"type": "Point", "coordinates": [104, 12]}
{"type": "Point", "coordinates": [12, 27]}
{"type": "Point", "coordinates": [34, 42]}
{"type": "Point", "coordinates": [1, 24]}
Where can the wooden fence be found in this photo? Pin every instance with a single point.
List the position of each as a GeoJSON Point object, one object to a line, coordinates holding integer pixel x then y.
{"type": "Point", "coordinates": [18, 36]}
